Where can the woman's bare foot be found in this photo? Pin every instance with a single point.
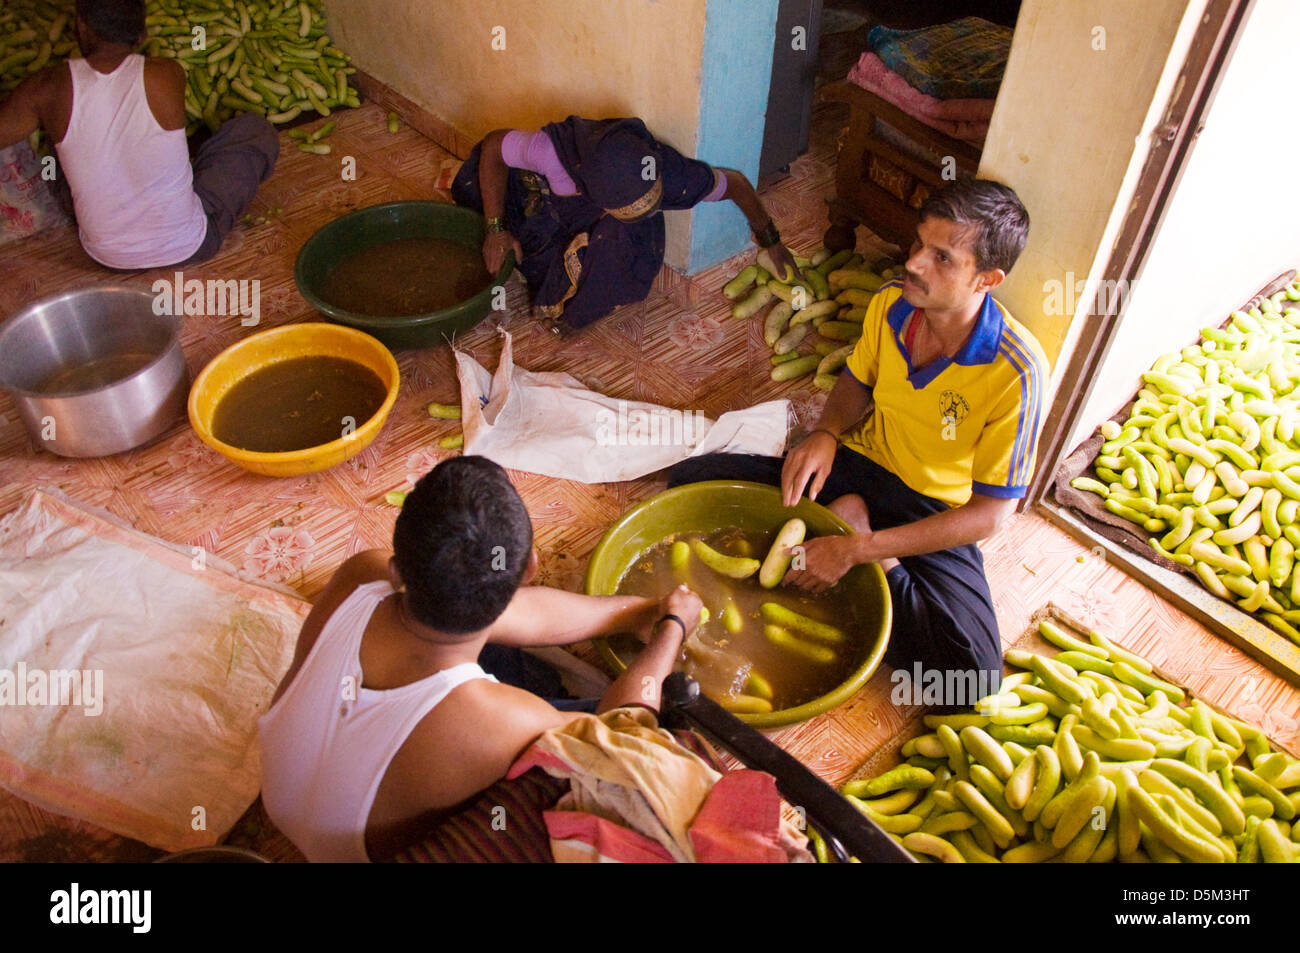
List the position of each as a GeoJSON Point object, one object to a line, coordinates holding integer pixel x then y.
{"type": "Point", "coordinates": [853, 510]}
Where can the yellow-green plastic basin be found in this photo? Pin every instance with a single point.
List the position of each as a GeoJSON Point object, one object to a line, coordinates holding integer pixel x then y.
{"type": "Point", "coordinates": [753, 507]}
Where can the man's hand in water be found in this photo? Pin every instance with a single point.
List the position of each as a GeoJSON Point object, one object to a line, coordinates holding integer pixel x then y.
{"type": "Point", "coordinates": [825, 561]}
{"type": "Point", "coordinates": [495, 247]}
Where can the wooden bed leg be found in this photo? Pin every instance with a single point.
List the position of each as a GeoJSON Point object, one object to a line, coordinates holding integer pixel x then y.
{"type": "Point", "coordinates": [841, 234]}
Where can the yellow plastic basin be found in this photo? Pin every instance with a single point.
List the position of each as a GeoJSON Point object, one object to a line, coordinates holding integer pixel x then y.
{"type": "Point", "coordinates": [282, 344]}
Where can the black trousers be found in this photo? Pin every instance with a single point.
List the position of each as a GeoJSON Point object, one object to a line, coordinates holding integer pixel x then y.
{"type": "Point", "coordinates": [943, 612]}
{"type": "Point", "coordinates": [514, 666]}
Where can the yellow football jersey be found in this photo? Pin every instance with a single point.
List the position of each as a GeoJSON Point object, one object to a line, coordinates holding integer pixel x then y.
{"type": "Point", "coordinates": [961, 424]}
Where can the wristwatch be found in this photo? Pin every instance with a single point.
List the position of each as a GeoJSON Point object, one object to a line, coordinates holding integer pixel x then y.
{"type": "Point", "coordinates": [769, 236]}
{"type": "Point", "coordinates": [497, 224]}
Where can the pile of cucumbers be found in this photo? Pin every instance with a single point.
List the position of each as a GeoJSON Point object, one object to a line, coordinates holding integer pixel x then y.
{"type": "Point", "coordinates": [828, 295]}
{"type": "Point", "coordinates": [1088, 757]}
{"type": "Point", "coordinates": [271, 58]}
{"type": "Point", "coordinates": [1208, 461]}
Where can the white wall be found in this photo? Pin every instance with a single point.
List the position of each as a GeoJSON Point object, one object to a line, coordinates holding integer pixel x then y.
{"type": "Point", "coordinates": [1234, 222]}
{"type": "Point", "coordinates": [1067, 129]}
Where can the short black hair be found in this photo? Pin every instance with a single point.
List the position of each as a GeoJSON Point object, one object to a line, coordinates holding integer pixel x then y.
{"type": "Point", "coordinates": [462, 544]}
{"type": "Point", "coordinates": [117, 21]}
{"type": "Point", "coordinates": [997, 217]}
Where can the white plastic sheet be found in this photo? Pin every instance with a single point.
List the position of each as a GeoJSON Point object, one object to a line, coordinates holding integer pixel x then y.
{"type": "Point", "coordinates": [549, 423]}
{"type": "Point", "coordinates": [132, 675]}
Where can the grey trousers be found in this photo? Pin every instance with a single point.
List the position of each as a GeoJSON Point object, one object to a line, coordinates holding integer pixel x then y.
{"type": "Point", "coordinates": [228, 168]}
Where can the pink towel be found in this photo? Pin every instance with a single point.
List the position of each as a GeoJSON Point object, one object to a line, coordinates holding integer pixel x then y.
{"type": "Point", "coordinates": [966, 119]}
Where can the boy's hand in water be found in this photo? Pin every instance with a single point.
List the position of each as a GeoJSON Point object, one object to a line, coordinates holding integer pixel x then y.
{"type": "Point", "coordinates": [682, 603]}
{"type": "Point", "coordinates": [686, 605]}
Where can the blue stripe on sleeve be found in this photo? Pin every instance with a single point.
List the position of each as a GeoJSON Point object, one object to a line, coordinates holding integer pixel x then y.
{"type": "Point", "coordinates": [999, 492]}
{"type": "Point", "coordinates": [1026, 365]}
{"type": "Point", "coordinates": [1035, 383]}
{"type": "Point", "coordinates": [1017, 447]}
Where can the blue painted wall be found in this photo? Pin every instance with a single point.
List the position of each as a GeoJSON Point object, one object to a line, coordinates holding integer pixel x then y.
{"type": "Point", "coordinates": [735, 76]}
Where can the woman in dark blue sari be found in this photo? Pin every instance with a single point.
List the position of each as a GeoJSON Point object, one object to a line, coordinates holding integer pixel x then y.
{"type": "Point", "coordinates": [579, 203]}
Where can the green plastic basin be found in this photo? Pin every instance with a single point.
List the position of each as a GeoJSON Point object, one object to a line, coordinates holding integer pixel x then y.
{"type": "Point", "coordinates": [375, 225]}
{"type": "Point", "coordinates": [753, 507]}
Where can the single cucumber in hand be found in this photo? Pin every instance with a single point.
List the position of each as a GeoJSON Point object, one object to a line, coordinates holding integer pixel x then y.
{"type": "Point", "coordinates": [779, 557]}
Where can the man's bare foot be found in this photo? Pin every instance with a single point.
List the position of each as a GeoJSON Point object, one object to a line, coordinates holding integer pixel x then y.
{"type": "Point", "coordinates": [853, 510]}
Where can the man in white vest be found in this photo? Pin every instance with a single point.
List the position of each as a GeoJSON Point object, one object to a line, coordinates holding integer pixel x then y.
{"type": "Point", "coordinates": [117, 120]}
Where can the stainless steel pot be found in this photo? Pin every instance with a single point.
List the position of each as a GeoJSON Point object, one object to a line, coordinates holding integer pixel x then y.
{"type": "Point", "coordinates": [94, 372]}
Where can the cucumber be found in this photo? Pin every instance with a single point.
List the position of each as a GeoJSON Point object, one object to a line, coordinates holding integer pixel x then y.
{"type": "Point", "coordinates": [839, 330]}
{"type": "Point", "coordinates": [778, 559]}
{"type": "Point", "coordinates": [775, 322]}
{"type": "Point", "coordinates": [792, 369]}
{"type": "Point", "coordinates": [791, 339]}
{"type": "Point", "coordinates": [783, 639]}
{"type": "Point", "coordinates": [756, 684]}
{"type": "Point", "coordinates": [835, 360]}
{"type": "Point", "coordinates": [765, 260]}
{"type": "Point", "coordinates": [753, 304]}
{"type": "Point", "coordinates": [934, 846]}
{"type": "Point", "coordinates": [820, 309]}
{"type": "Point", "coordinates": [734, 567]}
{"type": "Point", "coordinates": [787, 618]}
{"type": "Point", "coordinates": [444, 411]}
{"type": "Point", "coordinates": [738, 285]}
{"type": "Point", "coordinates": [679, 556]}
{"type": "Point", "coordinates": [903, 776]}
{"type": "Point", "coordinates": [747, 705]}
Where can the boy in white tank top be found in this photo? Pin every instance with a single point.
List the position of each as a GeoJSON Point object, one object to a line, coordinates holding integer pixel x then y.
{"type": "Point", "coordinates": [386, 718]}
{"type": "Point", "coordinates": [118, 123]}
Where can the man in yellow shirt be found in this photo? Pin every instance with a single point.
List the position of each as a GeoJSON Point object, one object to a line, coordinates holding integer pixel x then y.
{"type": "Point", "coordinates": [939, 410]}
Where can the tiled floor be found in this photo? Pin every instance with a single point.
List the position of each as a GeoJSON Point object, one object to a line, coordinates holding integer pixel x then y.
{"type": "Point", "coordinates": [680, 347]}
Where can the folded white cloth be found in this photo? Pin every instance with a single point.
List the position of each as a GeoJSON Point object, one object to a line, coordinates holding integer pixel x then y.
{"type": "Point", "coordinates": [548, 423]}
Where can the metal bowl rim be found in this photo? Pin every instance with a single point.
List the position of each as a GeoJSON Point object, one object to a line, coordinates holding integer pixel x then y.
{"type": "Point", "coordinates": [173, 340]}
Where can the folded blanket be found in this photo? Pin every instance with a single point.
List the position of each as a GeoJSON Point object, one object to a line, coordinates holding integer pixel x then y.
{"type": "Point", "coordinates": [963, 59]}
{"type": "Point", "coordinates": [965, 119]}
{"type": "Point", "coordinates": [638, 795]}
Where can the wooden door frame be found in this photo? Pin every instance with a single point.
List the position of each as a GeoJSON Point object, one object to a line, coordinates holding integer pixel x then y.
{"type": "Point", "coordinates": [1194, 91]}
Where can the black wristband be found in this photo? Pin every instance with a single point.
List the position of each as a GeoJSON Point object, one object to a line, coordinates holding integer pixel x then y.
{"type": "Point", "coordinates": [769, 236]}
{"type": "Point", "coordinates": [669, 617]}
{"type": "Point", "coordinates": [833, 436]}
